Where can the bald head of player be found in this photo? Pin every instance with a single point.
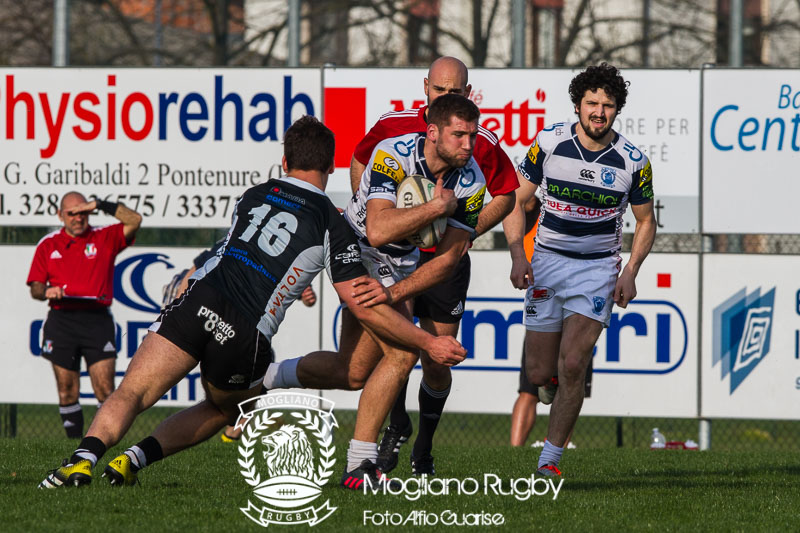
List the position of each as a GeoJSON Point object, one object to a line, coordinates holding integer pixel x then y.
{"type": "Point", "coordinates": [446, 75]}
{"type": "Point", "coordinates": [76, 223]}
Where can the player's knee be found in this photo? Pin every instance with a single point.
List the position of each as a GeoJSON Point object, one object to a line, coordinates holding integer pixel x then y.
{"type": "Point", "coordinates": [356, 381]}
{"type": "Point", "coordinates": [573, 368]}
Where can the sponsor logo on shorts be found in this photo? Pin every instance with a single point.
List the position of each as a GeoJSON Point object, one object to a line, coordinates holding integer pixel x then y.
{"type": "Point", "coordinates": [352, 255]}
{"type": "Point", "coordinates": [540, 293]}
{"type": "Point", "coordinates": [459, 309]}
{"type": "Point", "coordinates": [599, 303]}
{"type": "Point", "coordinates": [384, 271]}
{"type": "Point", "coordinates": [236, 379]}
{"type": "Point", "coordinates": [530, 310]}
{"type": "Point", "coordinates": [221, 330]}
{"type": "Point", "coordinates": [48, 346]}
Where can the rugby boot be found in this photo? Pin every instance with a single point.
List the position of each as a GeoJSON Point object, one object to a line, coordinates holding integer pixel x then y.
{"type": "Point", "coordinates": [548, 470]}
{"type": "Point", "coordinates": [121, 472]}
{"type": "Point", "coordinates": [389, 447]}
{"type": "Point", "coordinates": [68, 474]}
{"type": "Point", "coordinates": [548, 391]}
{"type": "Point", "coordinates": [423, 466]}
{"type": "Point", "coordinates": [355, 479]}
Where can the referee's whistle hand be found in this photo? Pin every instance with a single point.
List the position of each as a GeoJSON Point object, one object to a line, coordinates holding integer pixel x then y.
{"type": "Point", "coordinates": [54, 293]}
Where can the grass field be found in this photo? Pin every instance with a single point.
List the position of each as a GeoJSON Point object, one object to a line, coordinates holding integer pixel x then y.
{"type": "Point", "coordinates": [603, 490]}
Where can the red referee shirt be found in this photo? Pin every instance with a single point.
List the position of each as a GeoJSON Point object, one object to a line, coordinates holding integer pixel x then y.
{"type": "Point", "coordinates": [84, 265]}
{"type": "Point", "coordinates": [501, 176]}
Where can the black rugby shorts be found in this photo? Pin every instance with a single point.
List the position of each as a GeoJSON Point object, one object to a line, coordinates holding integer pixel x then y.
{"type": "Point", "coordinates": [68, 335]}
{"type": "Point", "coordinates": [233, 354]}
{"type": "Point", "coordinates": [445, 302]}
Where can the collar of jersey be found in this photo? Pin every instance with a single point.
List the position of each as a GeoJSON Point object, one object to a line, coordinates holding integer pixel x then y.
{"type": "Point", "coordinates": [587, 155]}
{"type": "Point", "coordinates": [302, 184]}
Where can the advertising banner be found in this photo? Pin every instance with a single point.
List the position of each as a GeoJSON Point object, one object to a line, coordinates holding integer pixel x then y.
{"type": "Point", "coordinates": [140, 274]}
{"type": "Point", "coordinates": [647, 354]}
{"type": "Point", "coordinates": [177, 145]}
{"type": "Point", "coordinates": [751, 142]}
{"type": "Point", "coordinates": [515, 104]}
{"type": "Point", "coordinates": [751, 337]}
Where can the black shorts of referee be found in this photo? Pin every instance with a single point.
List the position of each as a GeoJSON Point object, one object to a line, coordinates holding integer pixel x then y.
{"type": "Point", "coordinates": [71, 334]}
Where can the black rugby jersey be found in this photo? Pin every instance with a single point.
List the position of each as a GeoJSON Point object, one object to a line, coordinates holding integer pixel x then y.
{"type": "Point", "coordinates": [284, 232]}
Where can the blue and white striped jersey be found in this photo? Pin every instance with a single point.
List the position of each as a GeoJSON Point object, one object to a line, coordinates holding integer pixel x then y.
{"type": "Point", "coordinates": [397, 157]}
{"type": "Point", "coordinates": [584, 193]}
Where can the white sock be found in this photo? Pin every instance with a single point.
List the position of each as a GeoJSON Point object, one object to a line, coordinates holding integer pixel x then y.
{"type": "Point", "coordinates": [360, 450]}
{"type": "Point", "coordinates": [137, 457]}
{"type": "Point", "coordinates": [551, 454]}
{"type": "Point", "coordinates": [282, 375]}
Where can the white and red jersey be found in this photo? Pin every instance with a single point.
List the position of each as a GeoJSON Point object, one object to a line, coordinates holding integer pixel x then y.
{"type": "Point", "coordinates": [83, 265]}
{"type": "Point", "coordinates": [492, 160]}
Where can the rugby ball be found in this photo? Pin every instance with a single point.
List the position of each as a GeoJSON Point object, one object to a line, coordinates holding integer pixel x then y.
{"type": "Point", "coordinates": [288, 491]}
{"type": "Point", "coordinates": [416, 190]}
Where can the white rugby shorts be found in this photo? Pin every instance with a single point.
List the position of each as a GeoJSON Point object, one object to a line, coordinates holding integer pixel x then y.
{"type": "Point", "coordinates": [564, 286]}
{"type": "Point", "coordinates": [386, 268]}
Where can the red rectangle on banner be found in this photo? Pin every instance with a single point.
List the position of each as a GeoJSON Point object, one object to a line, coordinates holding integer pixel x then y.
{"type": "Point", "coordinates": [664, 280]}
{"type": "Point", "coordinates": [346, 115]}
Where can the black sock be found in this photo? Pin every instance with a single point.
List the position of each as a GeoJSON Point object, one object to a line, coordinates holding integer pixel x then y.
{"type": "Point", "coordinates": [90, 448]}
{"type": "Point", "coordinates": [431, 405]}
{"type": "Point", "coordinates": [399, 417]}
{"type": "Point", "coordinates": [147, 452]}
{"type": "Point", "coordinates": [72, 419]}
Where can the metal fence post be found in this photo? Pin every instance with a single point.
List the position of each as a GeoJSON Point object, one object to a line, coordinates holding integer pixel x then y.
{"type": "Point", "coordinates": [705, 434]}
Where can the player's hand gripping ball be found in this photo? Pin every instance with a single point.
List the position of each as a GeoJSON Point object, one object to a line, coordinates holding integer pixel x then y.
{"type": "Point", "coordinates": [416, 190]}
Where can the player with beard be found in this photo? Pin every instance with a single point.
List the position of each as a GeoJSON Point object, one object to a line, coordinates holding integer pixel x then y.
{"type": "Point", "coordinates": [441, 307]}
{"type": "Point", "coordinates": [588, 174]}
{"type": "Point", "coordinates": [443, 154]}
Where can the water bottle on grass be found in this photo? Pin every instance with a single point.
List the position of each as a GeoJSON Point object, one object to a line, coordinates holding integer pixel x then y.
{"type": "Point", "coordinates": [657, 440]}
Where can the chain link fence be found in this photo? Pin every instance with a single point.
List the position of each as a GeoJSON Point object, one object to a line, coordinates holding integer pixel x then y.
{"type": "Point", "coordinates": [37, 421]}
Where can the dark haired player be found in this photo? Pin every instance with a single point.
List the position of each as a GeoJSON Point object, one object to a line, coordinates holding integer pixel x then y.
{"type": "Point", "coordinates": [284, 232]}
{"type": "Point", "coordinates": [588, 174]}
{"type": "Point", "coordinates": [73, 270]}
{"type": "Point", "coordinates": [441, 307]}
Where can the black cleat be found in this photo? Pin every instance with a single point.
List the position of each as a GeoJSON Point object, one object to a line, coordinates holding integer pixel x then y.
{"type": "Point", "coordinates": [423, 465]}
{"type": "Point", "coordinates": [355, 479]}
{"type": "Point", "coordinates": [389, 448]}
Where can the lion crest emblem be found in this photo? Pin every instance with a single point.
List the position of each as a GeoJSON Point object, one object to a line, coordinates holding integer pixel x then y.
{"type": "Point", "coordinates": [295, 456]}
{"type": "Point", "coordinates": [288, 453]}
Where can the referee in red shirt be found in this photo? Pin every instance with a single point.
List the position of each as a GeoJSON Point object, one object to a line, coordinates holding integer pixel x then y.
{"type": "Point", "coordinates": [73, 269]}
